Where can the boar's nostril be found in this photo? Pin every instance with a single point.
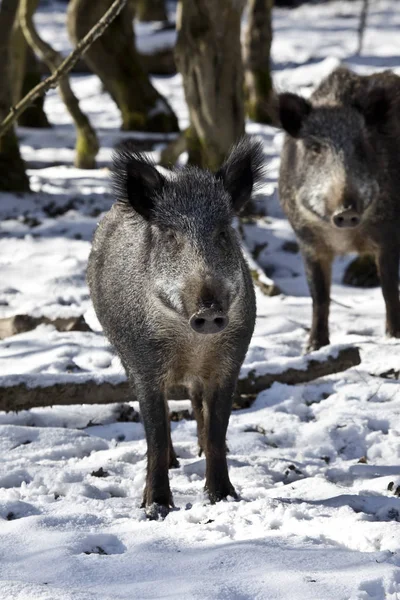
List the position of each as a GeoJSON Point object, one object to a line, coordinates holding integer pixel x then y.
{"type": "Point", "coordinates": [219, 321]}
{"type": "Point", "coordinates": [199, 323]}
{"type": "Point", "coordinates": [208, 322]}
{"type": "Point", "coordinates": [346, 218]}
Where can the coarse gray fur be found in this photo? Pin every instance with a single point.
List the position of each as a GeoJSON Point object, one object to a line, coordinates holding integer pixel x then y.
{"type": "Point", "coordinates": [167, 252]}
{"type": "Point", "coordinates": [339, 182]}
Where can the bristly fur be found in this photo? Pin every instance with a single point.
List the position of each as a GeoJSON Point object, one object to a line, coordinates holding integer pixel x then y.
{"type": "Point", "coordinates": [129, 164]}
{"type": "Point", "coordinates": [245, 164]}
{"type": "Point", "coordinates": [135, 174]}
{"type": "Point", "coordinates": [163, 262]}
{"type": "Point", "coordinates": [341, 158]}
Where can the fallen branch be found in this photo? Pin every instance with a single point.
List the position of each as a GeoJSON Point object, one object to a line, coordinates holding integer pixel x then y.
{"type": "Point", "coordinates": [21, 397]}
{"type": "Point", "coordinates": [65, 66]}
{"type": "Point", "coordinates": [260, 279]}
{"type": "Point", "coordinates": [345, 359]}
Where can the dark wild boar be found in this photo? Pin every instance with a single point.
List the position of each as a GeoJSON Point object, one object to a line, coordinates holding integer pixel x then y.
{"type": "Point", "coordinates": [339, 183]}
{"type": "Point", "coordinates": [175, 297]}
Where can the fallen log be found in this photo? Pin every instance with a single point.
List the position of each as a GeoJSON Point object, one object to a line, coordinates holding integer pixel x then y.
{"type": "Point", "coordinates": [22, 397]}
{"type": "Point", "coordinates": [10, 326]}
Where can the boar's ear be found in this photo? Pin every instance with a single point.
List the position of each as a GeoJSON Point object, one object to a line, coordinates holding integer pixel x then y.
{"type": "Point", "coordinates": [242, 170]}
{"type": "Point", "coordinates": [135, 180]}
{"type": "Point", "coordinates": [293, 110]}
{"type": "Point", "coordinates": [373, 105]}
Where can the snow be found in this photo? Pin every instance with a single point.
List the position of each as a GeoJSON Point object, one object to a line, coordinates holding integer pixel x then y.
{"type": "Point", "coordinates": [317, 466]}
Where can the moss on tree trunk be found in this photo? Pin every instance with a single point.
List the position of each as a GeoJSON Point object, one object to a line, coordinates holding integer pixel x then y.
{"type": "Point", "coordinates": [114, 58]}
{"type": "Point", "coordinates": [25, 76]}
{"type": "Point", "coordinates": [260, 104]}
{"type": "Point", "coordinates": [13, 176]}
{"type": "Point", "coordinates": [208, 54]}
{"type": "Point", "coordinates": [87, 145]}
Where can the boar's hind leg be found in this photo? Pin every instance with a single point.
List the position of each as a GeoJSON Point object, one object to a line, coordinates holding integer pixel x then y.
{"type": "Point", "coordinates": [173, 462]}
{"type": "Point", "coordinates": [157, 498]}
{"type": "Point", "coordinates": [217, 404]}
{"type": "Point", "coordinates": [388, 267]}
{"type": "Point", "coordinates": [318, 272]}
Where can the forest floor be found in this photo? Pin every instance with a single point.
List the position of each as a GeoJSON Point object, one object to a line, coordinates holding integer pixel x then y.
{"type": "Point", "coordinates": [317, 466]}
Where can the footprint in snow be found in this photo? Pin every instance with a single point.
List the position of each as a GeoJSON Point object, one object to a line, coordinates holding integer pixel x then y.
{"type": "Point", "coordinates": [101, 543]}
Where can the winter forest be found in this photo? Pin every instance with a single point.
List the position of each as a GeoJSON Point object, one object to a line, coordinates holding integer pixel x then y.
{"type": "Point", "coordinates": [199, 299]}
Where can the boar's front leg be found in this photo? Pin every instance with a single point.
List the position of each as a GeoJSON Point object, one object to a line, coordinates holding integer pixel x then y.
{"type": "Point", "coordinates": [157, 498]}
{"type": "Point", "coordinates": [388, 259]}
{"type": "Point", "coordinates": [318, 272]}
{"type": "Point", "coordinates": [217, 405]}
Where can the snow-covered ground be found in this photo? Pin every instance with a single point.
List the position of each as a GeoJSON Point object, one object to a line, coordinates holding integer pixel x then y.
{"type": "Point", "coordinates": [317, 466]}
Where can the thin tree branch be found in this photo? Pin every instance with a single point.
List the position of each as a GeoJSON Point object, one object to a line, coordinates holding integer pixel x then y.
{"type": "Point", "coordinates": [65, 66]}
{"type": "Point", "coordinates": [362, 25]}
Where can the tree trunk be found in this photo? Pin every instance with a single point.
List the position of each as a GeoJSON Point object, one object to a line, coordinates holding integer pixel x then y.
{"type": "Point", "coordinates": [13, 177]}
{"type": "Point", "coordinates": [151, 10]}
{"type": "Point", "coordinates": [86, 140]}
{"type": "Point", "coordinates": [260, 104]}
{"type": "Point", "coordinates": [26, 75]}
{"type": "Point", "coordinates": [208, 55]}
{"type": "Point", "coordinates": [114, 58]}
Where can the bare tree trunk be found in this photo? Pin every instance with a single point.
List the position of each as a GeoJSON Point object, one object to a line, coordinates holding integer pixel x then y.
{"type": "Point", "coordinates": [257, 48]}
{"type": "Point", "coordinates": [114, 58]}
{"type": "Point", "coordinates": [87, 145]}
{"type": "Point", "coordinates": [12, 169]}
{"type": "Point", "coordinates": [25, 76]}
{"type": "Point", "coordinates": [151, 10]}
{"type": "Point", "coordinates": [208, 55]}
{"type": "Point", "coordinates": [65, 67]}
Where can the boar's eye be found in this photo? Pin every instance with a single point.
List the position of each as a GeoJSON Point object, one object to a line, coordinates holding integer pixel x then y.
{"type": "Point", "coordinates": [313, 146]}
{"type": "Point", "coordinates": [169, 237]}
{"type": "Point", "coordinates": [223, 236]}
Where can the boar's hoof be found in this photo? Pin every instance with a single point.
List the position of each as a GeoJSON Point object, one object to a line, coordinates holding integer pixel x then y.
{"type": "Point", "coordinates": [157, 503]}
{"type": "Point", "coordinates": [155, 512]}
{"type": "Point", "coordinates": [221, 494]}
{"type": "Point", "coordinates": [316, 344]}
{"type": "Point", "coordinates": [173, 462]}
{"type": "Point", "coordinates": [393, 332]}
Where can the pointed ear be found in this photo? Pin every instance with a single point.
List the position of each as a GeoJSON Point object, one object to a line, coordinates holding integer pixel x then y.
{"type": "Point", "coordinates": [242, 170]}
{"type": "Point", "coordinates": [373, 105]}
{"type": "Point", "coordinates": [293, 111]}
{"type": "Point", "coordinates": [135, 180]}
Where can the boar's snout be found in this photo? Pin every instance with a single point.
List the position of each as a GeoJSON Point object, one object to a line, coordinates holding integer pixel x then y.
{"type": "Point", "coordinates": [209, 320]}
{"type": "Point", "coordinates": [348, 218]}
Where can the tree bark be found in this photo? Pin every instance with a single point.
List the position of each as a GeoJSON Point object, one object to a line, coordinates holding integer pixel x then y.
{"type": "Point", "coordinates": [208, 54]}
{"type": "Point", "coordinates": [13, 177]}
{"type": "Point", "coordinates": [151, 10]}
{"type": "Point", "coordinates": [26, 75]}
{"type": "Point", "coordinates": [64, 68]}
{"type": "Point", "coordinates": [115, 60]}
{"type": "Point", "coordinates": [260, 104]}
{"type": "Point", "coordinates": [22, 396]}
{"type": "Point", "coordinates": [87, 144]}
